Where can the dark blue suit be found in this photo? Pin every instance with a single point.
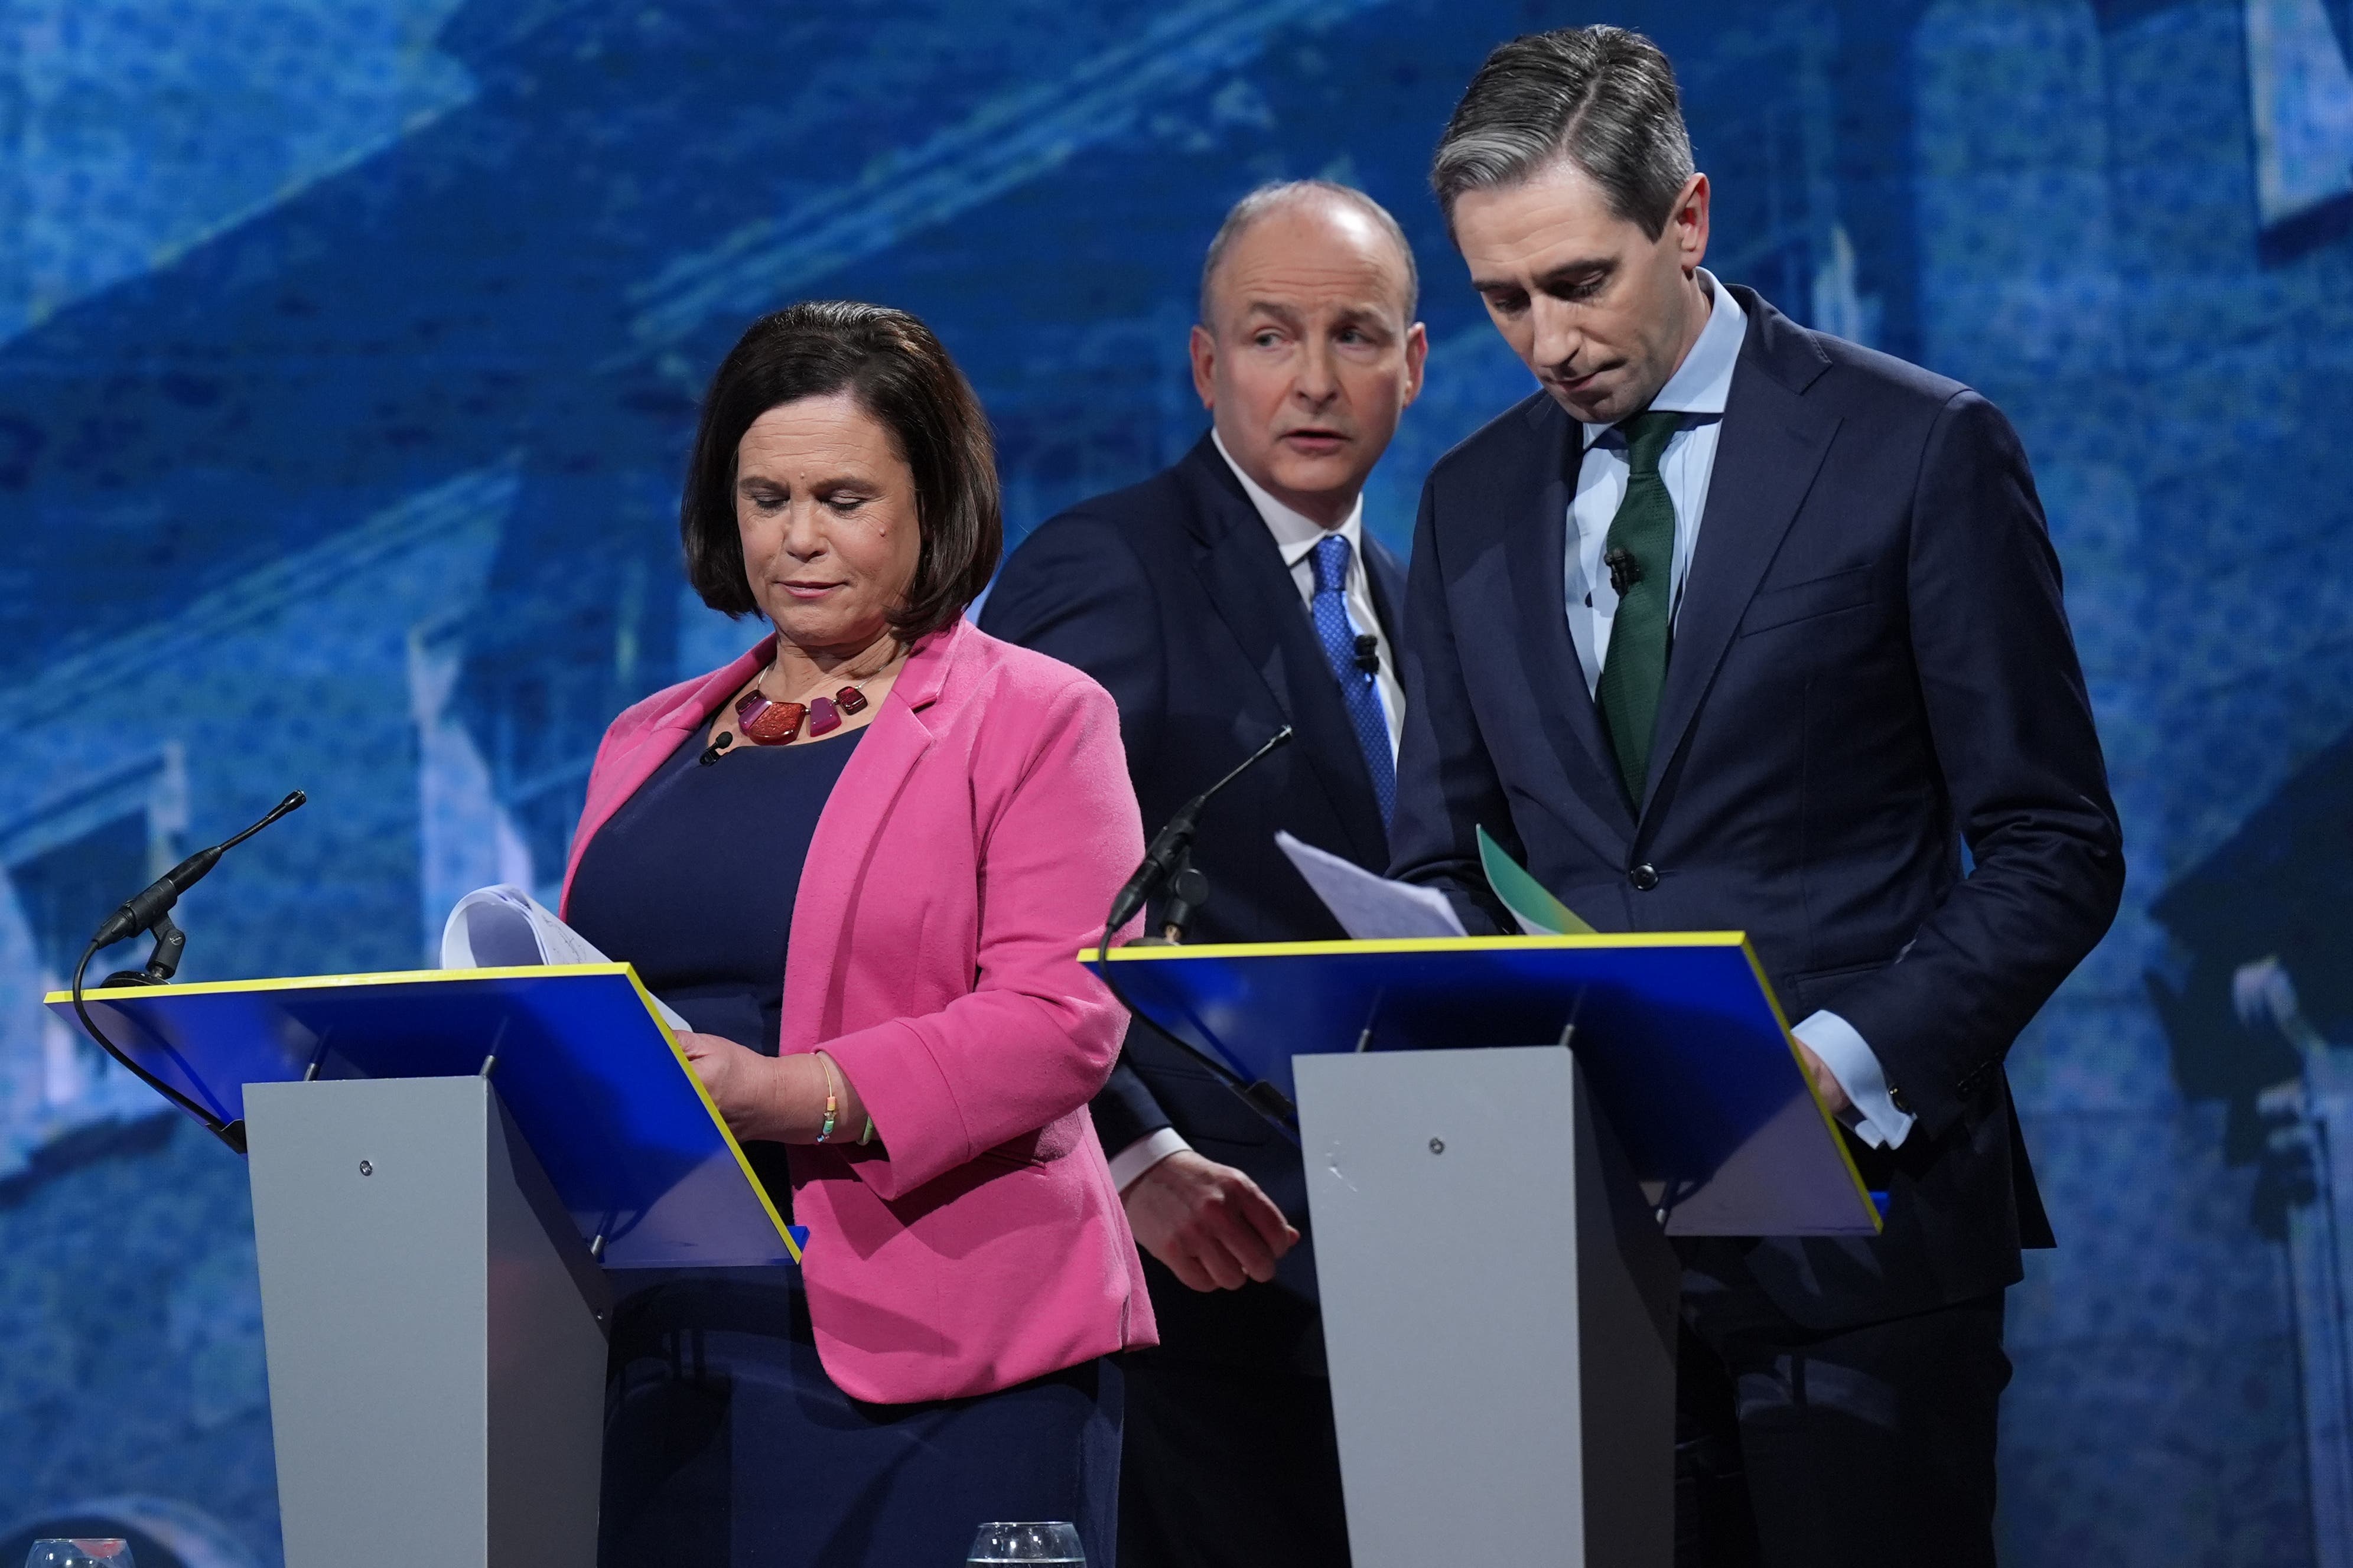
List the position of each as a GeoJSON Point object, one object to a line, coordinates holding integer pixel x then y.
{"type": "Point", "coordinates": [1172, 595]}
{"type": "Point", "coordinates": [1871, 667]}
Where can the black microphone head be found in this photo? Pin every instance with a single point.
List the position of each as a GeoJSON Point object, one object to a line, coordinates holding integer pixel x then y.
{"type": "Point", "coordinates": [293, 800]}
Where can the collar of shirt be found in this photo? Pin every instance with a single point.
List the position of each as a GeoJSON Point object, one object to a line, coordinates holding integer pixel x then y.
{"type": "Point", "coordinates": [1296, 536]}
{"type": "Point", "coordinates": [1295, 533]}
{"type": "Point", "coordinates": [1703, 382]}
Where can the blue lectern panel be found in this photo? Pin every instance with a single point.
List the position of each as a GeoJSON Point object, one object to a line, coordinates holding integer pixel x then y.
{"type": "Point", "coordinates": [1679, 1038]}
{"type": "Point", "coordinates": [591, 1077]}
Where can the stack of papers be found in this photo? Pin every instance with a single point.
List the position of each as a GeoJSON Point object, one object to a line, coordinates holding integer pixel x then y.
{"type": "Point", "coordinates": [505, 927]}
{"type": "Point", "coordinates": [1370, 907]}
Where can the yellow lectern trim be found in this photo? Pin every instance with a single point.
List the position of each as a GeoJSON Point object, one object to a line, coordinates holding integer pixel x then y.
{"type": "Point", "coordinates": [1425, 944]}
{"type": "Point", "coordinates": [1521, 944]}
{"type": "Point", "coordinates": [326, 981]}
{"type": "Point", "coordinates": [530, 971]}
{"type": "Point", "coordinates": [1838, 1133]}
{"type": "Point", "coordinates": [710, 1105]}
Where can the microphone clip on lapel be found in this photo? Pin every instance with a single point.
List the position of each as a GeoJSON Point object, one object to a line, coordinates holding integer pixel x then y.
{"type": "Point", "coordinates": [1625, 570]}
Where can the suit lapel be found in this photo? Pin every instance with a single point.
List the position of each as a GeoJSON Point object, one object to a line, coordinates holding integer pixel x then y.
{"type": "Point", "coordinates": [629, 772]}
{"type": "Point", "coordinates": [1770, 449]}
{"type": "Point", "coordinates": [1537, 547]}
{"type": "Point", "coordinates": [1387, 581]}
{"type": "Point", "coordinates": [1252, 592]}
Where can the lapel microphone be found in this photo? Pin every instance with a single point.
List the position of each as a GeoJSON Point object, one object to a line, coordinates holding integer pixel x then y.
{"type": "Point", "coordinates": [1368, 653]}
{"type": "Point", "coordinates": [1625, 570]}
{"type": "Point", "coordinates": [710, 754]}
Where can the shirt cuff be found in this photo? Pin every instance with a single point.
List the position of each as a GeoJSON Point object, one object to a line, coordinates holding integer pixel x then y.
{"type": "Point", "coordinates": [1143, 1154]}
{"type": "Point", "coordinates": [1873, 1118]}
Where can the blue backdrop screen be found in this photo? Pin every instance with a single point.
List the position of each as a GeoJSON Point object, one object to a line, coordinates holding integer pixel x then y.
{"type": "Point", "coordinates": [349, 351]}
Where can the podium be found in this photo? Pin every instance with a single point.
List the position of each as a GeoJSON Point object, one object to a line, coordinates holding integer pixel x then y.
{"type": "Point", "coordinates": [1499, 1137]}
{"type": "Point", "coordinates": [444, 1164]}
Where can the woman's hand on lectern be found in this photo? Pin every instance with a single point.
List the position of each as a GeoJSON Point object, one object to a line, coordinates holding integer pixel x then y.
{"type": "Point", "coordinates": [731, 1076]}
{"type": "Point", "coordinates": [775, 1098]}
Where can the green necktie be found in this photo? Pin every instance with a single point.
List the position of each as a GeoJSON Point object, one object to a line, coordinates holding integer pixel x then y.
{"type": "Point", "coordinates": [1641, 547]}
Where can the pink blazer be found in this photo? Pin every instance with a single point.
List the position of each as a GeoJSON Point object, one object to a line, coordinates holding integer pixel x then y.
{"type": "Point", "coordinates": [970, 850]}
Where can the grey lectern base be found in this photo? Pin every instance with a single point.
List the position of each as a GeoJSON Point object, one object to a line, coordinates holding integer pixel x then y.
{"type": "Point", "coordinates": [434, 1328]}
{"type": "Point", "coordinates": [1499, 1312]}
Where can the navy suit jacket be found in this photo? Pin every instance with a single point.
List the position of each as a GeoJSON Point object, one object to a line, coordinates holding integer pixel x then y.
{"type": "Point", "coordinates": [1172, 595]}
{"type": "Point", "coordinates": [1871, 667]}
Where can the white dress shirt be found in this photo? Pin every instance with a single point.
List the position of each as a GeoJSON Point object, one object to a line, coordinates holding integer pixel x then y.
{"type": "Point", "coordinates": [1296, 535]}
{"type": "Point", "coordinates": [1697, 391]}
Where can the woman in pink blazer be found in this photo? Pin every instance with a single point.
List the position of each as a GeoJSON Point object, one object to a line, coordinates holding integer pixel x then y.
{"type": "Point", "coordinates": [862, 860]}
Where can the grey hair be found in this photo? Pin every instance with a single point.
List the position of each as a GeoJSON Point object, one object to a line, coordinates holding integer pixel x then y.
{"type": "Point", "coordinates": [1601, 99]}
{"type": "Point", "coordinates": [1264, 200]}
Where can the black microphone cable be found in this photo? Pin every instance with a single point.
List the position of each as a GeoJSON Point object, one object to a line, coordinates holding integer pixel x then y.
{"type": "Point", "coordinates": [1260, 1096]}
{"type": "Point", "coordinates": [230, 1133]}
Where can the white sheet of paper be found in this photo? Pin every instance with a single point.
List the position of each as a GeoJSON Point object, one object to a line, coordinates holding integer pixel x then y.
{"type": "Point", "coordinates": [1370, 907]}
{"type": "Point", "coordinates": [505, 927]}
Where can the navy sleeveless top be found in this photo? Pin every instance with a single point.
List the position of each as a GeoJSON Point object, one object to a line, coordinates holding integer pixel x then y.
{"type": "Point", "coordinates": [691, 881]}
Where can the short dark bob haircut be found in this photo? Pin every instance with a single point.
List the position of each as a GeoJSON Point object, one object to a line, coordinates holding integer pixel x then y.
{"type": "Point", "coordinates": [890, 362]}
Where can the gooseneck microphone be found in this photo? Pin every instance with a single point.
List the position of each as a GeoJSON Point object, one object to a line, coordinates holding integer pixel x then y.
{"type": "Point", "coordinates": [144, 907]}
{"type": "Point", "coordinates": [1170, 857]}
{"type": "Point", "coordinates": [149, 910]}
{"type": "Point", "coordinates": [1169, 845]}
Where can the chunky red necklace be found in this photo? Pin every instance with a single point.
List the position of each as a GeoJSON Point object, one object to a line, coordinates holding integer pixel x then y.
{"type": "Point", "coordinates": [770, 723]}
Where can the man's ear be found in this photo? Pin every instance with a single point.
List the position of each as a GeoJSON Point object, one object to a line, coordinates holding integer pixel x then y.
{"type": "Point", "coordinates": [1690, 222]}
{"type": "Point", "coordinates": [1203, 350]}
{"type": "Point", "coordinates": [1417, 354]}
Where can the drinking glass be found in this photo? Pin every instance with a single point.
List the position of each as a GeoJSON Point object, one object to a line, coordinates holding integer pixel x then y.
{"type": "Point", "coordinates": [1054, 1545]}
{"type": "Point", "coordinates": [80, 1554]}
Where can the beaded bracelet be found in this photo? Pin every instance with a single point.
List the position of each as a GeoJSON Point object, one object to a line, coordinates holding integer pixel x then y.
{"type": "Point", "coordinates": [832, 1100]}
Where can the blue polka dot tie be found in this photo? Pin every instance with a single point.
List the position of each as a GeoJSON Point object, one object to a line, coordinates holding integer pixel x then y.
{"type": "Point", "coordinates": [1358, 690]}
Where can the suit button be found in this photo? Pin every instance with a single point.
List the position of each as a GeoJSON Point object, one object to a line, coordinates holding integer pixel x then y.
{"type": "Point", "coordinates": [1644, 876]}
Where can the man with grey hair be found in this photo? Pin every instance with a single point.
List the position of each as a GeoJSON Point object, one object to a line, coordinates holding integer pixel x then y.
{"type": "Point", "coordinates": [1217, 601]}
{"type": "Point", "coordinates": [1734, 626]}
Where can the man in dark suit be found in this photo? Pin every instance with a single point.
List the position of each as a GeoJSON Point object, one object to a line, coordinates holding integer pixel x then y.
{"type": "Point", "coordinates": [1734, 625]}
{"type": "Point", "coordinates": [1225, 597]}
